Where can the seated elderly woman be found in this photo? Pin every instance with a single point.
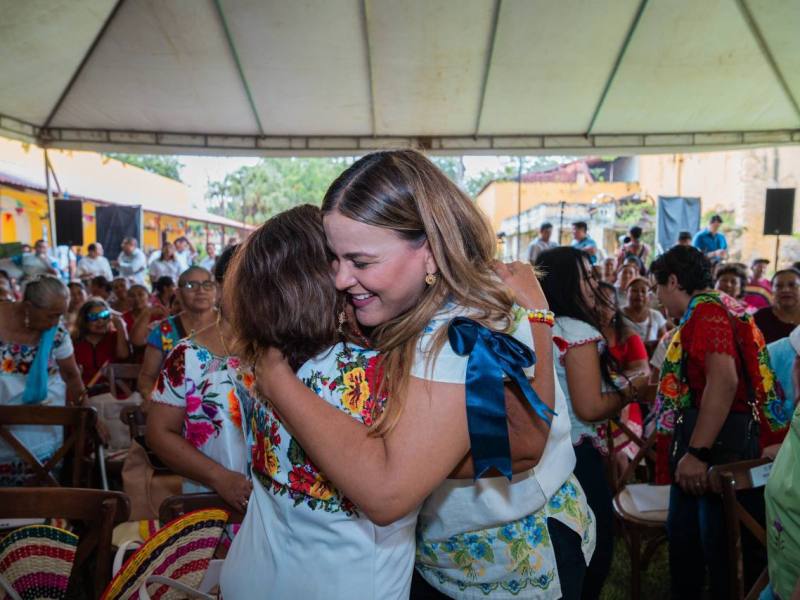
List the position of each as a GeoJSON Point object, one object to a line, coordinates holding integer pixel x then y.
{"type": "Point", "coordinates": [194, 422]}
{"type": "Point", "coordinates": [36, 365]}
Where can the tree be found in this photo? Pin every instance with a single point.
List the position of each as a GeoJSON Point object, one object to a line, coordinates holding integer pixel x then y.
{"type": "Point", "coordinates": [166, 166]}
{"type": "Point", "coordinates": [254, 194]}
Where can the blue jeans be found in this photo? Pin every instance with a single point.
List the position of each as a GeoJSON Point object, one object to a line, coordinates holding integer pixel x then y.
{"type": "Point", "coordinates": [590, 469]}
{"type": "Point", "coordinates": [698, 541]}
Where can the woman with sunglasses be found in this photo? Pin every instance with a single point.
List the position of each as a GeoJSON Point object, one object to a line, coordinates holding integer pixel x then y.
{"type": "Point", "coordinates": [197, 292]}
{"type": "Point", "coordinates": [97, 343]}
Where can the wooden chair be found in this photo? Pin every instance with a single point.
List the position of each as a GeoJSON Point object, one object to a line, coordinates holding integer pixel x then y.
{"type": "Point", "coordinates": [176, 506]}
{"type": "Point", "coordinates": [122, 378]}
{"type": "Point", "coordinates": [727, 480]}
{"type": "Point", "coordinates": [643, 531]}
{"type": "Point", "coordinates": [79, 424]}
{"type": "Point", "coordinates": [97, 511]}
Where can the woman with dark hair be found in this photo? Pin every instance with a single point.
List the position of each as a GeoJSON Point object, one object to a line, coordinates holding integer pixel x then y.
{"type": "Point", "coordinates": [77, 297]}
{"type": "Point", "coordinates": [730, 278]}
{"type": "Point", "coordinates": [197, 292]}
{"type": "Point", "coordinates": [412, 253]}
{"type": "Point", "coordinates": [778, 321]}
{"type": "Point", "coordinates": [139, 319]}
{"type": "Point", "coordinates": [194, 422]}
{"type": "Point", "coordinates": [585, 368]}
{"type": "Point", "coordinates": [167, 264]}
{"type": "Point", "coordinates": [716, 374]}
{"type": "Point", "coordinates": [97, 343]}
{"type": "Point", "coordinates": [648, 323]}
{"type": "Point", "coordinates": [164, 293]}
{"type": "Point", "coordinates": [634, 248]}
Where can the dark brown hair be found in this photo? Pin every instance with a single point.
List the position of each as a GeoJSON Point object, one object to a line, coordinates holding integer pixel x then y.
{"type": "Point", "coordinates": [279, 288]}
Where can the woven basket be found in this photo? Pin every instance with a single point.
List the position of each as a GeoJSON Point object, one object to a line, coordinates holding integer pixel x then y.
{"type": "Point", "coordinates": [181, 551]}
{"type": "Point", "coordinates": [37, 561]}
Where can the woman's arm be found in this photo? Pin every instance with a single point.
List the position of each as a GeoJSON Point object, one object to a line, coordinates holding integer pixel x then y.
{"type": "Point", "coordinates": [718, 395]}
{"type": "Point", "coordinates": [164, 436]}
{"type": "Point", "coordinates": [151, 365]}
{"type": "Point", "coordinates": [387, 476]}
{"type": "Point", "coordinates": [71, 374]}
{"type": "Point", "coordinates": [582, 365]}
{"type": "Point", "coordinates": [122, 348]}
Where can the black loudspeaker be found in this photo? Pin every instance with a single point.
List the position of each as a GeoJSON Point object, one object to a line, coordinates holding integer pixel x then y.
{"type": "Point", "coordinates": [115, 223]}
{"type": "Point", "coordinates": [779, 212]}
{"type": "Point", "coordinates": [69, 222]}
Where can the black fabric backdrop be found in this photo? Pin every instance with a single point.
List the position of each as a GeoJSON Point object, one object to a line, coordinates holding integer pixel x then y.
{"type": "Point", "coordinates": [115, 223]}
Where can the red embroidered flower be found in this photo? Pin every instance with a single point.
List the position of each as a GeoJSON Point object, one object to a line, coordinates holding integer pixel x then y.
{"type": "Point", "coordinates": [301, 480]}
{"type": "Point", "coordinates": [175, 365]}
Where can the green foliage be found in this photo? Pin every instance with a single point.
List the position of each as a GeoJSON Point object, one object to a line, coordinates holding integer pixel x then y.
{"type": "Point", "coordinates": [167, 166]}
{"type": "Point", "coordinates": [629, 215]}
{"type": "Point", "coordinates": [255, 193]}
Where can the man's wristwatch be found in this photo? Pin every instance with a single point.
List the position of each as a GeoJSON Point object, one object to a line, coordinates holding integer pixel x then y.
{"type": "Point", "coordinates": [702, 454]}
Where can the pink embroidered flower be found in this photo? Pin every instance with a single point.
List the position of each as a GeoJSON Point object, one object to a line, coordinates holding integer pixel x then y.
{"type": "Point", "coordinates": [233, 362]}
{"type": "Point", "coordinates": [198, 432]}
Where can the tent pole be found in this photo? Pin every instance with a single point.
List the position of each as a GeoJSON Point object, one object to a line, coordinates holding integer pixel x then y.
{"type": "Point", "coordinates": [519, 209]}
{"type": "Point", "coordinates": [51, 205]}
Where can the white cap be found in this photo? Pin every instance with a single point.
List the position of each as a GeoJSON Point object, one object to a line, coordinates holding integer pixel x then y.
{"type": "Point", "coordinates": [794, 339]}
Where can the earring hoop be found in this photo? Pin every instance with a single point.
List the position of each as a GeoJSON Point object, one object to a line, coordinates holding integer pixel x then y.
{"type": "Point", "coordinates": [342, 320]}
{"type": "Point", "coordinates": [431, 278]}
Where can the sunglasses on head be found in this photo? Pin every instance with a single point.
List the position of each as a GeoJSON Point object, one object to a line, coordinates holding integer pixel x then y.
{"type": "Point", "coordinates": [97, 316]}
{"type": "Point", "coordinates": [207, 285]}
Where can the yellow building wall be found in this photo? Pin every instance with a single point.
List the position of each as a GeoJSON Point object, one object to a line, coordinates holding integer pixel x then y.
{"type": "Point", "coordinates": [23, 216]}
{"type": "Point", "coordinates": [499, 199]}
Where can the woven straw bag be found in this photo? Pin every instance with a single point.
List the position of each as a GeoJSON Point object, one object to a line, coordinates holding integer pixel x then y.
{"type": "Point", "coordinates": [36, 562]}
{"type": "Point", "coordinates": [179, 552]}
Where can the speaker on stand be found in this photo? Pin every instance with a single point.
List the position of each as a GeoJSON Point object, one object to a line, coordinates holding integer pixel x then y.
{"type": "Point", "coordinates": [779, 215]}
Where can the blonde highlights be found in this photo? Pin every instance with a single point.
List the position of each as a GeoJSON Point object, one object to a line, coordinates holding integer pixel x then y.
{"type": "Point", "coordinates": [406, 193]}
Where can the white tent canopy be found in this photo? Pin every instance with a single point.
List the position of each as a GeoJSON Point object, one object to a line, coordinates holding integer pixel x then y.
{"type": "Point", "coordinates": [449, 76]}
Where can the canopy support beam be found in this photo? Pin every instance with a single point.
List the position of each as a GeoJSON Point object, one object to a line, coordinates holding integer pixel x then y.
{"type": "Point", "coordinates": [368, 46]}
{"type": "Point", "coordinates": [239, 69]}
{"type": "Point", "coordinates": [623, 49]}
{"type": "Point", "coordinates": [755, 31]}
{"type": "Point", "coordinates": [82, 64]}
{"type": "Point", "coordinates": [488, 67]}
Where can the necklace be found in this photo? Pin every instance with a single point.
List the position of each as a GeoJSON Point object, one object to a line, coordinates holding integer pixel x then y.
{"type": "Point", "coordinates": [222, 337]}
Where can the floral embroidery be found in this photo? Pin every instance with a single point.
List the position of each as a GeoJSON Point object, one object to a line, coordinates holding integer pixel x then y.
{"type": "Point", "coordinates": [18, 358]}
{"type": "Point", "coordinates": [523, 548]}
{"type": "Point", "coordinates": [279, 462]}
{"type": "Point", "coordinates": [234, 409]}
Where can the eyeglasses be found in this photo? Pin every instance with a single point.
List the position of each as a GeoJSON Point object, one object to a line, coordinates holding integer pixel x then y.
{"type": "Point", "coordinates": [97, 316]}
{"type": "Point", "coordinates": [207, 285]}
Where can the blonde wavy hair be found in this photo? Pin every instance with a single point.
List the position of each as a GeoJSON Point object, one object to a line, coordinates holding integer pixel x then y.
{"type": "Point", "coordinates": [405, 192]}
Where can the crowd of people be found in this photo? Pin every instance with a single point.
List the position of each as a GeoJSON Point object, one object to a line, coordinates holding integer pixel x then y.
{"type": "Point", "coordinates": [388, 404]}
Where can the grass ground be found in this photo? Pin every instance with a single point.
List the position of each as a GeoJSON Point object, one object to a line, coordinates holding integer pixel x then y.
{"type": "Point", "coordinates": [655, 580]}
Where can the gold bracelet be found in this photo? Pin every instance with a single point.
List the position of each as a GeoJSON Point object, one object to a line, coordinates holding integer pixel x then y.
{"type": "Point", "coordinates": [542, 316]}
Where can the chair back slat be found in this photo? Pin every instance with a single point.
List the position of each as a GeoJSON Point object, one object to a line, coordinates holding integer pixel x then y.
{"type": "Point", "coordinates": [176, 506]}
{"type": "Point", "coordinates": [79, 421]}
{"type": "Point", "coordinates": [99, 510]}
{"type": "Point", "coordinates": [727, 480]}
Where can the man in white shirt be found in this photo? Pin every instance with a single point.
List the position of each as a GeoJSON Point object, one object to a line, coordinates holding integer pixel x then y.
{"type": "Point", "coordinates": [542, 242]}
{"type": "Point", "coordinates": [184, 253]}
{"type": "Point", "coordinates": [39, 262]}
{"type": "Point", "coordinates": [209, 261]}
{"type": "Point", "coordinates": [132, 263]}
{"type": "Point", "coordinates": [94, 264]}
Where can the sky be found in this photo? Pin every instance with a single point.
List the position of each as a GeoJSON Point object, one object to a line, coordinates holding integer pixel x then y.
{"type": "Point", "coordinates": [197, 171]}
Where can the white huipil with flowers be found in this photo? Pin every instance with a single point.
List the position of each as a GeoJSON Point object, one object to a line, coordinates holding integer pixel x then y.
{"type": "Point", "coordinates": [202, 383]}
{"type": "Point", "coordinates": [301, 537]}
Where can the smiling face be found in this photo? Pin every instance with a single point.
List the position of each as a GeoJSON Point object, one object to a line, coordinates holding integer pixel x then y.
{"type": "Point", "coordinates": [382, 274]}
{"type": "Point", "coordinates": [97, 320]}
{"type": "Point", "coordinates": [730, 284]}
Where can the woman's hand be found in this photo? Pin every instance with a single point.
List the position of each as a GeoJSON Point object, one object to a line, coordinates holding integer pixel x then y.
{"type": "Point", "coordinates": [271, 364]}
{"type": "Point", "coordinates": [521, 279]}
{"type": "Point", "coordinates": [692, 475]}
{"type": "Point", "coordinates": [234, 488]}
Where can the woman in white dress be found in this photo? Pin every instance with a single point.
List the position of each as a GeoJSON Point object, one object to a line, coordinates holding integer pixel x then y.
{"type": "Point", "coordinates": [412, 252]}
{"type": "Point", "coordinates": [167, 265]}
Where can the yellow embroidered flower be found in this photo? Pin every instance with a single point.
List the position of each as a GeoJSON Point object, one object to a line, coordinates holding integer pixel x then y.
{"type": "Point", "coordinates": [356, 392]}
{"type": "Point", "coordinates": [674, 350]}
{"type": "Point", "coordinates": [767, 376]}
{"type": "Point", "coordinates": [271, 459]}
{"type": "Point", "coordinates": [321, 488]}
{"type": "Point", "coordinates": [8, 365]}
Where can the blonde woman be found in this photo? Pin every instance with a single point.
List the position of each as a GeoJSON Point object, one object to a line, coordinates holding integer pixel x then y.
{"type": "Point", "coordinates": [412, 253]}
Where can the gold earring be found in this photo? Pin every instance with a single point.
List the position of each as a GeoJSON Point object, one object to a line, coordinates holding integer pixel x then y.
{"type": "Point", "coordinates": [342, 321]}
{"type": "Point", "coordinates": [431, 278]}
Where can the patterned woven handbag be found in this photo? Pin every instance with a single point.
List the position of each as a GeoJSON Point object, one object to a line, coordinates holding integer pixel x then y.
{"type": "Point", "coordinates": [36, 562]}
{"type": "Point", "coordinates": [180, 551]}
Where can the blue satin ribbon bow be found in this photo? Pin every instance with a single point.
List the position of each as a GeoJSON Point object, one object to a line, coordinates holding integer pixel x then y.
{"type": "Point", "coordinates": [491, 356]}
